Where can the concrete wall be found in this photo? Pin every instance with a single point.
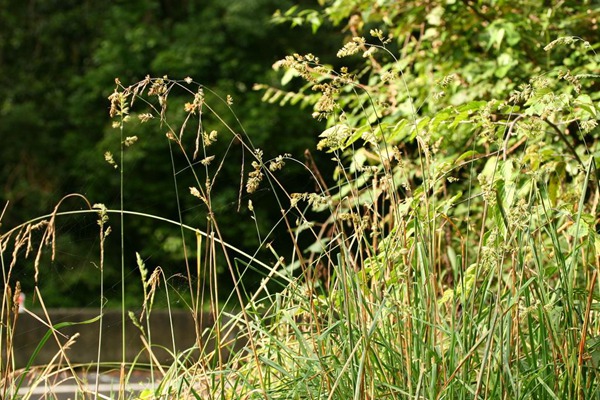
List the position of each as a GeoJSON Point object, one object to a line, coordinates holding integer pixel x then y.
{"type": "Point", "coordinates": [29, 331]}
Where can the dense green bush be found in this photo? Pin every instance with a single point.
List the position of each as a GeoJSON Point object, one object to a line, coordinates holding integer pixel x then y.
{"type": "Point", "coordinates": [461, 247]}
{"type": "Point", "coordinates": [452, 253]}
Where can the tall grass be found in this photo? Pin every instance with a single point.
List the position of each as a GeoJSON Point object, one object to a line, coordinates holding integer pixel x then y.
{"type": "Point", "coordinates": [412, 288]}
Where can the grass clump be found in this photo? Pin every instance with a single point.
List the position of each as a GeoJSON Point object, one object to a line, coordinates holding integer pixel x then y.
{"type": "Point", "coordinates": [454, 255]}
{"type": "Point", "coordinates": [458, 256]}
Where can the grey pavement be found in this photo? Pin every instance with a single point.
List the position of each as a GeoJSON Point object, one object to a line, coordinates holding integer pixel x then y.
{"type": "Point", "coordinates": [106, 387]}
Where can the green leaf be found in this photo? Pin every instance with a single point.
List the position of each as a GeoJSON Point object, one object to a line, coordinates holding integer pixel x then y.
{"type": "Point", "coordinates": [553, 185]}
{"type": "Point", "coordinates": [288, 76]}
{"type": "Point", "coordinates": [463, 116]}
{"type": "Point", "coordinates": [496, 36]}
{"type": "Point", "coordinates": [466, 155]}
{"type": "Point", "coordinates": [586, 103]}
{"type": "Point", "coordinates": [472, 106]}
{"type": "Point", "coordinates": [579, 230]}
{"type": "Point", "coordinates": [505, 63]}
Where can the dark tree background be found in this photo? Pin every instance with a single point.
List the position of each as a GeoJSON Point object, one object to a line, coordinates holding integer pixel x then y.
{"type": "Point", "coordinates": [58, 63]}
{"type": "Point", "coordinates": [59, 59]}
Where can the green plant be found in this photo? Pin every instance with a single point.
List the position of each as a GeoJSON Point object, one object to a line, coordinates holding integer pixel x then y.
{"type": "Point", "coordinates": [457, 237]}
{"type": "Point", "coordinates": [454, 253]}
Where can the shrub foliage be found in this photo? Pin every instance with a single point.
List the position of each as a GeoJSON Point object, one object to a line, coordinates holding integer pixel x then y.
{"type": "Point", "coordinates": [452, 253]}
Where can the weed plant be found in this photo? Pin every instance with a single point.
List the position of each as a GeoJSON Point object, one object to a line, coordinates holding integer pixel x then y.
{"type": "Point", "coordinates": [455, 254]}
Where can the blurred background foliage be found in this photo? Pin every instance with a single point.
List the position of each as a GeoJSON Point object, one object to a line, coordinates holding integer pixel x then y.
{"type": "Point", "coordinates": [59, 59]}
{"type": "Point", "coordinates": [58, 64]}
